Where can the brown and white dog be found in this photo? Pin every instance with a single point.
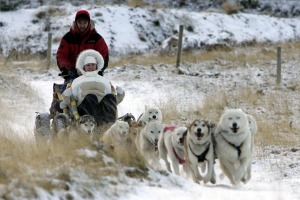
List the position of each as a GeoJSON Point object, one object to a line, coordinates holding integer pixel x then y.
{"type": "Point", "coordinates": [170, 145]}
{"type": "Point", "coordinates": [199, 150]}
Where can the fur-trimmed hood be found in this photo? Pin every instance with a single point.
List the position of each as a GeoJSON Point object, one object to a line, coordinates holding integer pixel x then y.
{"type": "Point", "coordinates": [84, 54]}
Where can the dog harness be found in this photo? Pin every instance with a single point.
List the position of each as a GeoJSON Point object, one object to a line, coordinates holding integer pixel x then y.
{"type": "Point", "coordinates": [238, 148]}
{"type": "Point", "coordinates": [200, 157]}
{"type": "Point", "coordinates": [180, 160]}
{"type": "Point", "coordinates": [172, 128]}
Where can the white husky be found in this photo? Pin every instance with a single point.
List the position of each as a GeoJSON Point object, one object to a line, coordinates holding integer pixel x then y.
{"type": "Point", "coordinates": [199, 150]}
{"type": "Point", "coordinates": [117, 134]}
{"type": "Point", "coordinates": [152, 113]}
{"type": "Point", "coordinates": [233, 145]}
{"type": "Point", "coordinates": [146, 142]}
{"type": "Point", "coordinates": [170, 145]}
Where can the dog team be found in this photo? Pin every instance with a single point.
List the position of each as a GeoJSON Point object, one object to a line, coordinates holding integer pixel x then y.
{"type": "Point", "coordinates": [196, 147]}
{"type": "Point", "coordinates": [190, 151]}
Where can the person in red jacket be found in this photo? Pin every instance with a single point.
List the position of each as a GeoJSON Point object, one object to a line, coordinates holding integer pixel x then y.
{"type": "Point", "coordinates": [82, 36]}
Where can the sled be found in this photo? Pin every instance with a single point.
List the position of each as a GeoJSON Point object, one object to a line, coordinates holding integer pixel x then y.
{"type": "Point", "coordinates": [48, 125]}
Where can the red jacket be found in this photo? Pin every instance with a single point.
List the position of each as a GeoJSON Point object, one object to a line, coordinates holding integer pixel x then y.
{"type": "Point", "coordinates": [75, 42]}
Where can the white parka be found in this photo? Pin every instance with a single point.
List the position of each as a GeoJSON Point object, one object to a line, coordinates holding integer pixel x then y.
{"type": "Point", "coordinates": [89, 82]}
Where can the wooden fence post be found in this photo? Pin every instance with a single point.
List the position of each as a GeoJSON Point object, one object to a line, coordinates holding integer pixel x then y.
{"type": "Point", "coordinates": [179, 45]}
{"type": "Point", "coordinates": [49, 50]}
{"type": "Point", "coordinates": [278, 80]}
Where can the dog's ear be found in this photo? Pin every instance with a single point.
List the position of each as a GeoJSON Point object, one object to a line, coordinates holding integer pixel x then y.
{"type": "Point", "coordinates": [146, 107]}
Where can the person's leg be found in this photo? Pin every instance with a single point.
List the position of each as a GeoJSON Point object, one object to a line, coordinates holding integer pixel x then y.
{"type": "Point", "coordinates": [107, 109]}
{"type": "Point", "coordinates": [88, 106]}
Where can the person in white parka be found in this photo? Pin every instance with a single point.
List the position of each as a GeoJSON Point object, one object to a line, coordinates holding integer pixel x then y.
{"type": "Point", "coordinates": [94, 94]}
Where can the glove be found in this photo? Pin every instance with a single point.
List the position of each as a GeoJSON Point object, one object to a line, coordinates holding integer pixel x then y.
{"type": "Point", "coordinates": [64, 72]}
{"type": "Point", "coordinates": [119, 90]}
{"type": "Point", "coordinates": [73, 73]}
{"type": "Point", "coordinates": [100, 73]}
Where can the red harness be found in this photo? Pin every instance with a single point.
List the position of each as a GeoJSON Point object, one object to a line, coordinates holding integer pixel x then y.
{"type": "Point", "coordinates": [172, 128]}
{"type": "Point", "coordinates": [180, 160]}
{"type": "Point", "coordinates": [169, 128]}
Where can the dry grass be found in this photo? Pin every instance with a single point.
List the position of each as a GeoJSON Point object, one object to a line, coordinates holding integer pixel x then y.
{"type": "Point", "coordinates": [28, 161]}
{"type": "Point", "coordinates": [274, 127]}
{"type": "Point", "coordinates": [231, 7]}
{"type": "Point", "coordinates": [247, 53]}
{"type": "Point", "coordinates": [136, 3]}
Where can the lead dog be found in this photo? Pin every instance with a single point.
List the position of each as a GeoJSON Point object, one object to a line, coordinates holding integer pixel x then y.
{"type": "Point", "coordinates": [170, 145]}
{"type": "Point", "coordinates": [199, 150]}
{"type": "Point", "coordinates": [147, 140]}
{"type": "Point", "coordinates": [233, 145]}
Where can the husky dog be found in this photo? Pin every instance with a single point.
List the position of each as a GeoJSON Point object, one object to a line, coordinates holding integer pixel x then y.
{"type": "Point", "coordinates": [117, 134]}
{"type": "Point", "coordinates": [152, 113]}
{"type": "Point", "coordinates": [86, 124]}
{"type": "Point", "coordinates": [42, 131]}
{"type": "Point", "coordinates": [60, 126]}
{"type": "Point", "coordinates": [147, 139]}
{"type": "Point", "coordinates": [233, 145]}
{"type": "Point", "coordinates": [199, 150]}
{"type": "Point", "coordinates": [170, 145]}
{"type": "Point", "coordinates": [60, 121]}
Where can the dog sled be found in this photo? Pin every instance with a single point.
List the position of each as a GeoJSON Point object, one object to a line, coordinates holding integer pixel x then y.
{"type": "Point", "coordinates": [49, 124]}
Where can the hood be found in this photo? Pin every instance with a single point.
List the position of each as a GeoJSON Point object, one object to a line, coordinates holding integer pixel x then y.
{"type": "Point", "coordinates": [84, 54]}
{"type": "Point", "coordinates": [82, 14]}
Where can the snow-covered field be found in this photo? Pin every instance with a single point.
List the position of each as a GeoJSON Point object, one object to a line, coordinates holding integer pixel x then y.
{"type": "Point", "coordinates": [47, 173]}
